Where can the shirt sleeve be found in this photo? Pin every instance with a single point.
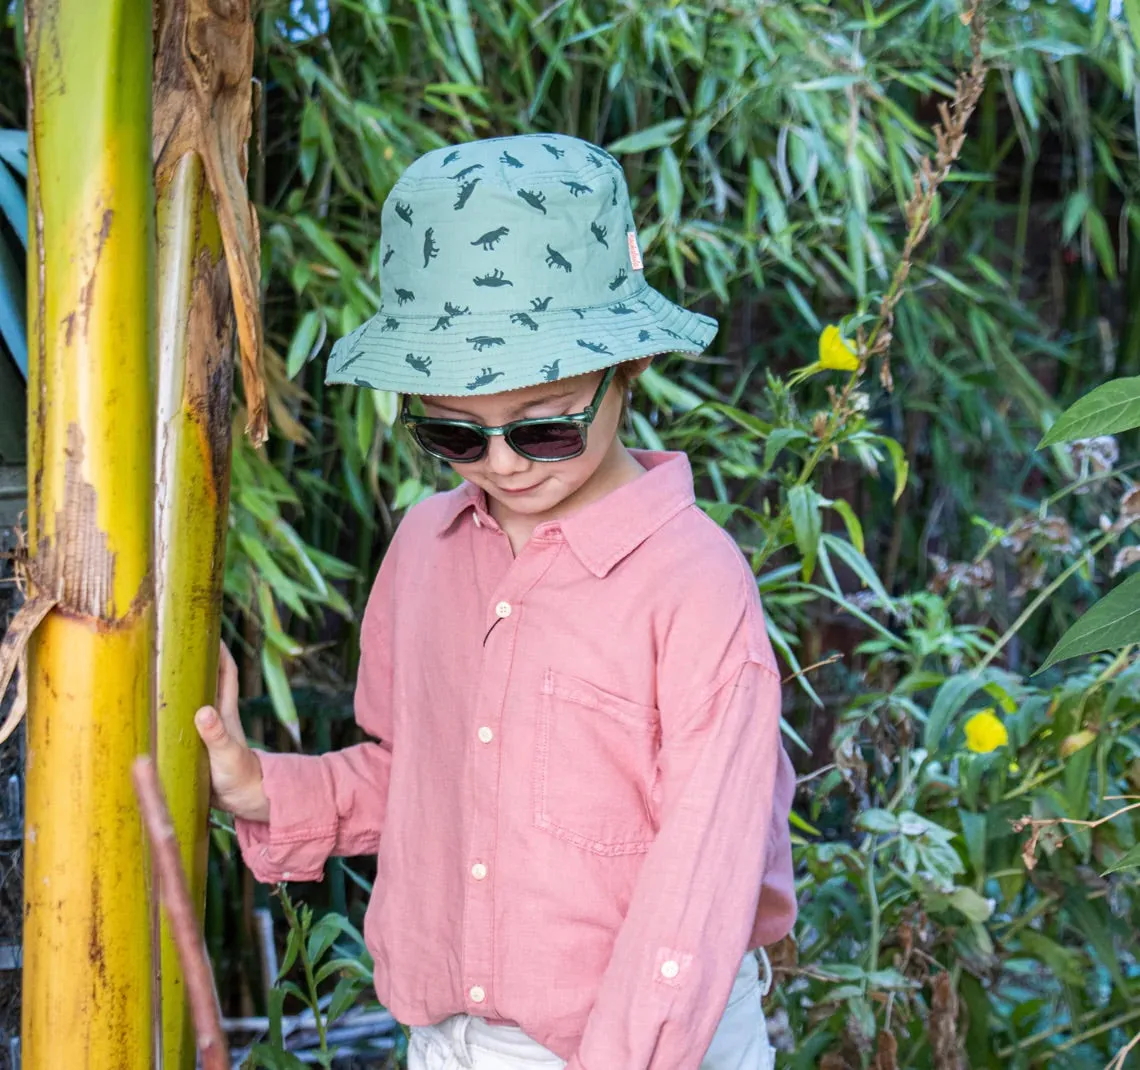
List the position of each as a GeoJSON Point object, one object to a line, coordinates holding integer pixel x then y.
{"type": "Point", "coordinates": [695, 899]}
{"type": "Point", "coordinates": [336, 803]}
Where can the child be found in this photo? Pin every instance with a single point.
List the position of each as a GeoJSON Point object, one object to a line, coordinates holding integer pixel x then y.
{"type": "Point", "coordinates": [578, 798]}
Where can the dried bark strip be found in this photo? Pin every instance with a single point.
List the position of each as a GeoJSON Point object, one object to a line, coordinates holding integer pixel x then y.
{"type": "Point", "coordinates": [203, 76]}
{"type": "Point", "coordinates": [200, 988]}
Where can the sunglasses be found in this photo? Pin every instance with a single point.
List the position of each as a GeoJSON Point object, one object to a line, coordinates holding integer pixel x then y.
{"type": "Point", "coordinates": [544, 438]}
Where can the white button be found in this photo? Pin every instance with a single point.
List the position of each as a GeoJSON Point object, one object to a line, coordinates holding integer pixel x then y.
{"type": "Point", "coordinates": [286, 875]}
{"type": "Point", "coordinates": [478, 522]}
{"type": "Point", "coordinates": [503, 609]}
{"type": "Point", "coordinates": [670, 969]}
{"type": "Point", "coordinates": [477, 994]}
{"type": "Point", "coordinates": [485, 735]}
{"type": "Point", "coordinates": [478, 871]}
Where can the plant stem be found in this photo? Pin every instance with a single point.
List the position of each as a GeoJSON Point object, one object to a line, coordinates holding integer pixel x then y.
{"type": "Point", "coordinates": [873, 896]}
{"type": "Point", "coordinates": [310, 981]}
{"type": "Point", "coordinates": [1042, 597]}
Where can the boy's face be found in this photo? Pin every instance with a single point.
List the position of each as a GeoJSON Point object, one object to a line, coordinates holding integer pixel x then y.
{"type": "Point", "coordinates": [521, 486]}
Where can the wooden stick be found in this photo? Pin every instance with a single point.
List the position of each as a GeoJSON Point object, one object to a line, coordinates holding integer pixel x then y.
{"type": "Point", "coordinates": [175, 897]}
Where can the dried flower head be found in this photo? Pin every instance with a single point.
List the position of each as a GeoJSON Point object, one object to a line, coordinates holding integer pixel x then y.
{"type": "Point", "coordinates": [1098, 454]}
{"type": "Point", "coordinates": [945, 1047]}
{"type": "Point", "coordinates": [1125, 556]}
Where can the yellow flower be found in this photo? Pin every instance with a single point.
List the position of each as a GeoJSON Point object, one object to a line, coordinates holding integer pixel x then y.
{"type": "Point", "coordinates": [985, 732]}
{"type": "Point", "coordinates": [834, 352]}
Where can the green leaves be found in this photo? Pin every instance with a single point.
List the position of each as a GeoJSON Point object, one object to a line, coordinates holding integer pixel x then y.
{"type": "Point", "coordinates": [1129, 860]}
{"type": "Point", "coordinates": [1108, 410]}
{"type": "Point", "coordinates": [1112, 622]}
{"type": "Point", "coordinates": [949, 699]}
{"type": "Point", "coordinates": [652, 137]}
{"type": "Point", "coordinates": [305, 343]}
{"type": "Point", "coordinates": [803, 505]}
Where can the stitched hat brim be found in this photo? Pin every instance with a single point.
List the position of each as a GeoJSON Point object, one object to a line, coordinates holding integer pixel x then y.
{"type": "Point", "coordinates": [488, 354]}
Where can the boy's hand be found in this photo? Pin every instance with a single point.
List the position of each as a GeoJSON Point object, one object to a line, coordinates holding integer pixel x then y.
{"type": "Point", "coordinates": [235, 774]}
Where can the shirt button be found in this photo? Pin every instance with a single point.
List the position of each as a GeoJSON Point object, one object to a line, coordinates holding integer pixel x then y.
{"type": "Point", "coordinates": [477, 994]}
{"type": "Point", "coordinates": [485, 735]}
{"type": "Point", "coordinates": [478, 871]}
{"type": "Point", "coordinates": [670, 969]}
{"type": "Point", "coordinates": [478, 522]}
{"type": "Point", "coordinates": [503, 609]}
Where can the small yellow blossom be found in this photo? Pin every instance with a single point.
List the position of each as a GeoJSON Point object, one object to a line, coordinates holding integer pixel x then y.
{"type": "Point", "coordinates": [834, 352]}
{"type": "Point", "coordinates": [985, 732]}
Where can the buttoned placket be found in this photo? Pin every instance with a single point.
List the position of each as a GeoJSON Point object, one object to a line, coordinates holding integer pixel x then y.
{"type": "Point", "coordinates": [504, 615]}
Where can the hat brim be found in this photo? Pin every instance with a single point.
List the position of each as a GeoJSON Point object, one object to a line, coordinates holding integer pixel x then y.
{"type": "Point", "coordinates": [489, 354]}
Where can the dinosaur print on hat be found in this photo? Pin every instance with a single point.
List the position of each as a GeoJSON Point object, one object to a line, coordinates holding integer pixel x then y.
{"type": "Point", "coordinates": [528, 243]}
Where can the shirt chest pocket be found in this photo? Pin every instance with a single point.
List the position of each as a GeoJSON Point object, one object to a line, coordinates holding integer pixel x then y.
{"type": "Point", "coordinates": [594, 766]}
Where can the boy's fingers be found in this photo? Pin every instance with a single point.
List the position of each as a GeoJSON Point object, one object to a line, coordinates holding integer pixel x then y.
{"type": "Point", "coordinates": [228, 692]}
{"type": "Point", "coordinates": [211, 728]}
{"type": "Point", "coordinates": [227, 678]}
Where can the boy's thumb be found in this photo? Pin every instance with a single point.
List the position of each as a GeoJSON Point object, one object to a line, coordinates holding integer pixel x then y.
{"type": "Point", "coordinates": [210, 726]}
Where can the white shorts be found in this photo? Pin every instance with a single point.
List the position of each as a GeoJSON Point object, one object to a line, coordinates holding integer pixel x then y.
{"type": "Point", "coordinates": [465, 1042]}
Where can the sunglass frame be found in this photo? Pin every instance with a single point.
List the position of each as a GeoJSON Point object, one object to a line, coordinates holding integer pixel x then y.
{"type": "Point", "coordinates": [581, 420]}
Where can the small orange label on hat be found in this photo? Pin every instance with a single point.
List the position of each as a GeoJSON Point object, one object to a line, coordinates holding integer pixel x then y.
{"type": "Point", "coordinates": [634, 251]}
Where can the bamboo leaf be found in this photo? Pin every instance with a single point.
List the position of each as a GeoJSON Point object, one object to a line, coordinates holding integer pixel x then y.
{"type": "Point", "coordinates": [669, 186]}
{"type": "Point", "coordinates": [1102, 241]}
{"type": "Point", "coordinates": [465, 37]}
{"type": "Point", "coordinates": [775, 209]}
{"type": "Point", "coordinates": [1132, 10]}
{"type": "Point", "coordinates": [301, 347]}
{"type": "Point", "coordinates": [280, 693]}
{"type": "Point", "coordinates": [652, 137]}
{"type": "Point", "coordinates": [901, 466]}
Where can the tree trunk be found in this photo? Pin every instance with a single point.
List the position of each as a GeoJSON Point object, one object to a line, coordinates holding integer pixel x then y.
{"type": "Point", "coordinates": [87, 952]}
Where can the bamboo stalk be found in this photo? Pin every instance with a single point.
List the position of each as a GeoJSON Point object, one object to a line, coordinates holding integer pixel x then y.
{"type": "Point", "coordinates": [195, 377]}
{"type": "Point", "coordinates": [206, 231]}
{"type": "Point", "coordinates": [87, 955]}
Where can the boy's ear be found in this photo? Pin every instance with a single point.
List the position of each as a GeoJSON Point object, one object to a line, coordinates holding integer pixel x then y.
{"type": "Point", "coordinates": [636, 367]}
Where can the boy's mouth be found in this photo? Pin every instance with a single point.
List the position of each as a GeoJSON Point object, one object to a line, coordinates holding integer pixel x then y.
{"type": "Point", "coordinates": [520, 490]}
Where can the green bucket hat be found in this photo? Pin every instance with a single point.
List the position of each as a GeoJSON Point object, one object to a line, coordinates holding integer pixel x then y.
{"type": "Point", "coordinates": [509, 262]}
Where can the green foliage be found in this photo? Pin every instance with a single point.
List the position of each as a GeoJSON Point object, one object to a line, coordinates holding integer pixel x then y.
{"type": "Point", "coordinates": [914, 553]}
{"type": "Point", "coordinates": [313, 947]}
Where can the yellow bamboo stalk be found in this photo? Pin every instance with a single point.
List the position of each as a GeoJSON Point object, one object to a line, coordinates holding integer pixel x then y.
{"type": "Point", "coordinates": [207, 239]}
{"type": "Point", "coordinates": [87, 951]}
{"type": "Point", "coordinates": [195, 325]}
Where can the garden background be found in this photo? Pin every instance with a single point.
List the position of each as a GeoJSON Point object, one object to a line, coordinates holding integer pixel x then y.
{"type": "Point", "coordinates": [918, 555]}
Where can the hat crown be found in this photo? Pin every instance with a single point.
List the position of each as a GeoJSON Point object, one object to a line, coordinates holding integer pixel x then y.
{"type": "Point", "coordinates": [513, 225]}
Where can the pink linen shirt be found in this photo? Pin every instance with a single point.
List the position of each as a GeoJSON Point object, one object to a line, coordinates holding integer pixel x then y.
{"type": "Point", "coordinates": [579, 798]}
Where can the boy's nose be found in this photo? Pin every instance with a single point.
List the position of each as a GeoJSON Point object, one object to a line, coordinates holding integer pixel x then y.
{"type": "Point", "coordinates": [501, 460]}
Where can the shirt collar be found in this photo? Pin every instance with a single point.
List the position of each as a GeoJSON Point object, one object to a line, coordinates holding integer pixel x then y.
{"type": "Point", "coordinates": [605, 531]}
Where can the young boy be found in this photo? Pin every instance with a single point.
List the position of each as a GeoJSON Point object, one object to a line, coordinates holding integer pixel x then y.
{"type": "Point", "coordinates": [578, 798]}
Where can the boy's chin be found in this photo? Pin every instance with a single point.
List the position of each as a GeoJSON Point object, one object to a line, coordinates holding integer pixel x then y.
{"type": "Point", "coordinates": [541, 499]}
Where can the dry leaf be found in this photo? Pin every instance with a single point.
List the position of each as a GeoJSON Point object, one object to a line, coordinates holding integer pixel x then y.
{"type": "Point", "coordinates": [203, 76]}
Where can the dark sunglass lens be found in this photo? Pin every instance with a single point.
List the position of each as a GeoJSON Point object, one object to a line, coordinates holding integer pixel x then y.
{"type": "Point", "coordinates": [549, 442]}
{"type": "Point", "coordinates": [454, 443]}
